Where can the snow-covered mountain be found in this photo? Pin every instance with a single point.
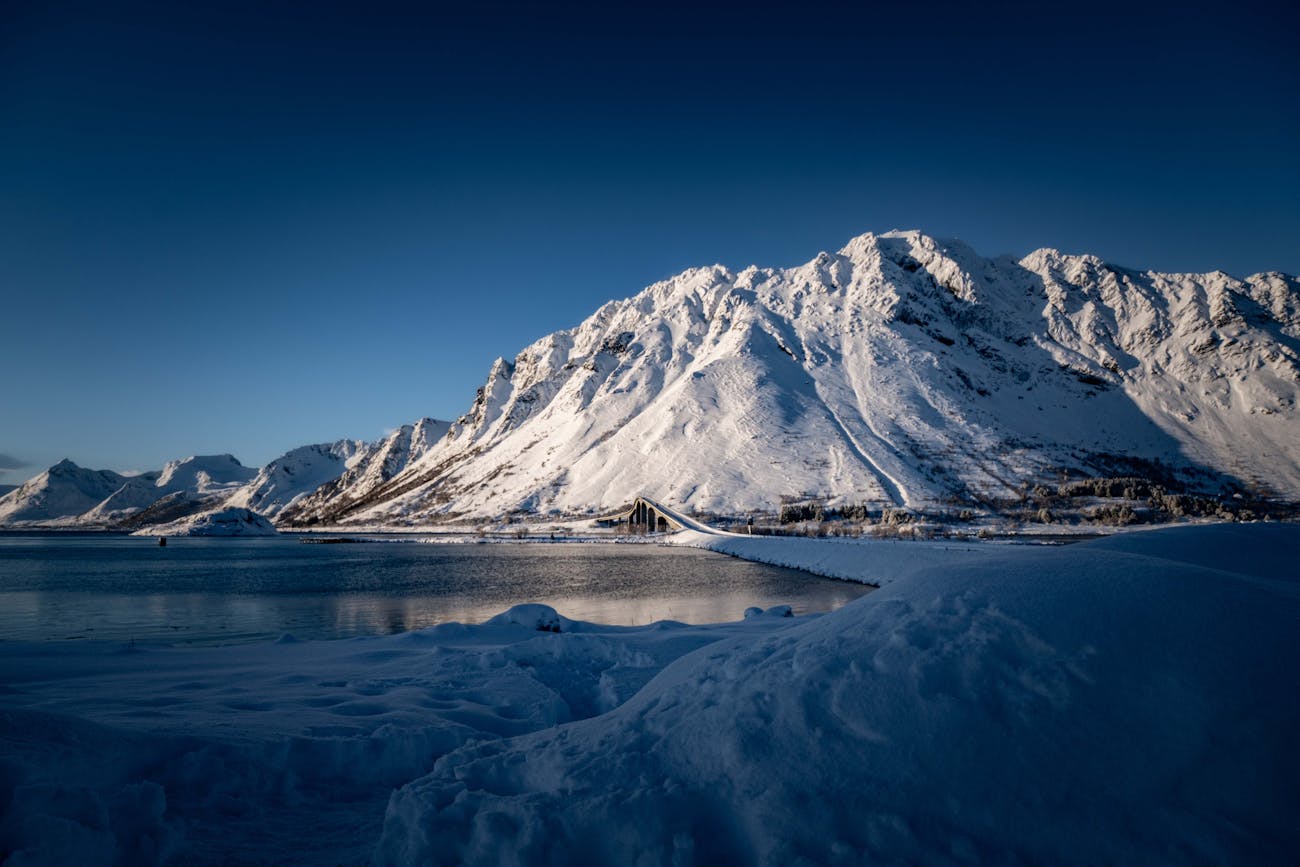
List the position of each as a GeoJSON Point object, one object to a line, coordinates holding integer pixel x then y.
{"type": "Point", "coordinates": [62, 492]}
{"type": "Point", "coordinates": [298, 473]}
{"type": "Point", "coordinates": [199, 480]}
{"type": "Point", "coordinates": [370, 471]}
{"type": "Point", "coordinates": [69, 495]}
{"type": "Point", "coordinates": [901, 370]}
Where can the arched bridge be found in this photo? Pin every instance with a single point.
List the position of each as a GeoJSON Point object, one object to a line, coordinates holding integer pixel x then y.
{"type": "Point", "coordinates": [646, 516]}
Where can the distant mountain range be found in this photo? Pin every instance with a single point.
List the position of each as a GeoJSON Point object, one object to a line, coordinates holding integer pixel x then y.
{"type": "Point", "coordinates": [900, 371]}
{"type": "Point", "coordinates": [67, 495]}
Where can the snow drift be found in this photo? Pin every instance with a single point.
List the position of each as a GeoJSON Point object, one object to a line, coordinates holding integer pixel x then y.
{"type": "Point", "coordinates": [1110, 702]}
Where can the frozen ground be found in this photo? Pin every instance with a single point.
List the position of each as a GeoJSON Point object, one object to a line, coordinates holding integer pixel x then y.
{"type": "Point", "coordinates": [1126, 700]}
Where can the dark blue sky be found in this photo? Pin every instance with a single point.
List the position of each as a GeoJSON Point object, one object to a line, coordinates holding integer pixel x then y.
{"type": "Point", "coordinates": [245, 227]}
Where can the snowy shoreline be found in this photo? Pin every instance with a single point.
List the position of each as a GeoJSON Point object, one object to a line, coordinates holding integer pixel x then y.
{"type": "Point", "coordinates": [867, 561]}
{"type": "Point", "coordinates": [1124, 699]}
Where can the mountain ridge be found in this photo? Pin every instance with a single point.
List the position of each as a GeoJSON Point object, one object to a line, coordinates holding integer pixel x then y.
{"type": "Point", "coordinates": [908, 362]}
{"type": "Point", "coordinates": [899, 371]}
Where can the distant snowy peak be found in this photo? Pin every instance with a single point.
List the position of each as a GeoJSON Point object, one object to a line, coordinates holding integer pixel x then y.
{"type": "Point", "coordinates": [296, 474]}
{"type": "Point", "coordinates": [67, 495]}
{"type": "Point", "coordinates": [197, 480]}
{"type": "Point", "coordinates": [59, 494]}
{"type": "Point", "coordinates": [900, 370]}
{"type": "Point", "coordinates": [205, 474]}
{"type": "Point", "coordinates": [368, 471]}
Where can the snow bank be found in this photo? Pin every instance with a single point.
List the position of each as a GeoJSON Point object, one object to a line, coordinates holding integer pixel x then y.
{"type": "Point", "coordinates": [286, 752]}
{"type": "Point", "coordinates": [1106, 702]}
{"type": "Point", "coordinates": [868, 561]}
{"type": "Point", "coordinates": [219, 522]}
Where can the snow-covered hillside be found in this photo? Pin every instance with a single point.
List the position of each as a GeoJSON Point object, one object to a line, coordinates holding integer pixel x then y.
{"type": "Point", "coordinates": [369, 472]}
{"type": "Point", "coordinates": [900, 370]}
{"type": "Point", "coordinates": [69, 495]}
{"type": "Point", "coordinates": [298, 473]}
{"type": "Point", "coordinates": [196, 480]}
{"type": "Point", "coordinates": [63, 491]}
{"type": "Point", "coordinates": [226, 521]}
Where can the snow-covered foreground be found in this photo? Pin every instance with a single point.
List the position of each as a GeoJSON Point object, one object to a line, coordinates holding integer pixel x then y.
{"type": "Point", "coordinates": [1132, 699]}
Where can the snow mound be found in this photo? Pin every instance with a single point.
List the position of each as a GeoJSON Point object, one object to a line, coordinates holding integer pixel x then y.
{"type": "Point", "coordinates": [1102, 703]}
{"type": "Point", "coordinates": [543, 618]}
{"type": "Point", "coordinates": [219, 522]}
{"type": "Point", "coordinates": [285, 752]}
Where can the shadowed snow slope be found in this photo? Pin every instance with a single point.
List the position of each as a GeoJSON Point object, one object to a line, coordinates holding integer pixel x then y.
{"type": "Point", "coordinates": [285, 753]}
{"type": "Point", "coordinates": [1110, 702]}
{"type": "Point", "coordinates": [899, 370]}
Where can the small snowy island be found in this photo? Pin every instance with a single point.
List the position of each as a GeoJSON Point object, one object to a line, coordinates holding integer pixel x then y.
{"type": "Point", "coordinates": [1125, 700]}
{"type": "Point", "coordinates": [220, 522]}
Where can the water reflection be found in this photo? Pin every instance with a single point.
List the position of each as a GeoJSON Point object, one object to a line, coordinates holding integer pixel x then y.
{"type": "Point", "coordinates": [228, 591]}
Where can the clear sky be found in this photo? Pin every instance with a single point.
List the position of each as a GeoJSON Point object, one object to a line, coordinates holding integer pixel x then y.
{"type": "Point", "coordinates": [242, 227]}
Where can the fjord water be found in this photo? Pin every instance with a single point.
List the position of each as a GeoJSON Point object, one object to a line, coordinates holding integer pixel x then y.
{"type": "Point", "coordinates": [223, 591]}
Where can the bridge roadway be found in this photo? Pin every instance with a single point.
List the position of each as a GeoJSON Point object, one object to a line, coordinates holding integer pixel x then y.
{"type": "Point", "coordinates": [649, 514]}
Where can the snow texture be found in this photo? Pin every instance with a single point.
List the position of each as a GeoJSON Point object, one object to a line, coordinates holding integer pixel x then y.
{"type": "Point", "coordinates": [285, 753]}
{"type": "Point", "coordinates": [876, 562]}
{"type": "Point", "coordinates": [1128, 700]}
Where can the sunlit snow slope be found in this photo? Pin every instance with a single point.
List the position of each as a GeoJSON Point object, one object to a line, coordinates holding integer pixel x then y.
{"type": "Point", "coordinates": [900, 370]}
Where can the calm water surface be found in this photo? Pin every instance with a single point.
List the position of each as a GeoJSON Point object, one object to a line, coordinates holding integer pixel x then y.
{"type": "Point", "coordinates": [219, 591]}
